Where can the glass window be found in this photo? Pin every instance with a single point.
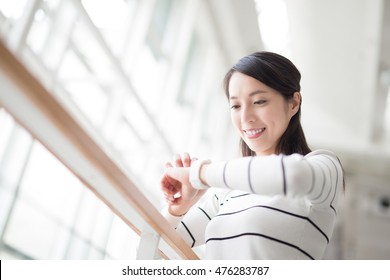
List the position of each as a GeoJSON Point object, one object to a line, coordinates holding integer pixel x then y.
{"type": "Point", "coordinates": [192, 73]}
{"type": "Point", "coordinates": [6, 200]}
{"type": "Point", "coordinates": [39, 31]}
{"type": "Point", "coordinates": [113, 19]}
{"type": "Point", "coordinates": [95, 254]}
{"type": "Point", "coordinates": [149, 77]}
{"type": "Point", "coordinates": [7, 125]}
{"type": "Point", "coordinates": [52, 215]}
{"type": "Point", "coordinates": [34, 233]}
{"type": "Point", "coordinates": [100, 233]}
{"type": "Point", "coordinates": [12, 8]}
{"type": "Point", "coordinates": [86, 215]}
{"type": "Point", "coordinates": [13, 162]}
{"type": "Point", "coordinates": [157, 27]}
{"type": "Point", "coordinates": [138, 119]}
{"type": "Point", "coordinates": [126, 139]}
{"type": "Point", "coordinates": [122, 242]}
{"type": "Point", "coordinates": [78, 249]}
{"type": "Point", "coordinates": [125, 66]}
{"type": "Point", "coordinates": [82, 88]}
{"type": "Point", "coordinates": [42, 188]}
{"type": "Point", "coordinates": [129, 145]}
{"type": "Point", "coordinates": [50, 30]}
{"type": "Point", "coordinates": [387, 115]}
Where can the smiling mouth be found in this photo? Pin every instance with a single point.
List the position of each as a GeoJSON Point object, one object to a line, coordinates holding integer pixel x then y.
{"type": "Point", "coordinates": [254, 133]}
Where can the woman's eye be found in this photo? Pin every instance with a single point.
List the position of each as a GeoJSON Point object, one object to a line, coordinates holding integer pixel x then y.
{"type": "Point", "coordinates": [233, 107]}
{"type": "Point", "coordinates": [259, 102]}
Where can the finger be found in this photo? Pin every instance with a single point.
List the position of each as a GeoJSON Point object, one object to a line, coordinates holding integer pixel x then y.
{"type": "Point", "coordinates": [169, 185]}
{"type": "Point", "coordinates": [168, 164]}
{"type": "Point", "coordinates": [177, 201]}
{"type": "Point", "coordinates": [178, 161]}
{"type": "Point", "coordinates": [169, 190]}
{"type": "Point", "coordinates": [173, 199]}
{"type": "Point", "coordinates": [186, 159]}
{"type": "Point", "coordinates": [165, 181]}
{"type": "Point", "coordinates": [173, 175]}
{"type": "Point", "coordinates": [170, 198]}
{"type": "Point", "coordinates": [169, 177]}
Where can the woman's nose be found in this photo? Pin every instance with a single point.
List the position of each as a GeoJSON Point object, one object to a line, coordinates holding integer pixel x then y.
{"type": "Point", "coordinates": [247, 115]}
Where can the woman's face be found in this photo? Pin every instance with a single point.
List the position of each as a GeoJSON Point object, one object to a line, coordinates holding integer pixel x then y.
{"type": "Point", "coordinates": [260, 113]}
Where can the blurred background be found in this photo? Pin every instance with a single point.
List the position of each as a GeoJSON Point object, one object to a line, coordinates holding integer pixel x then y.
{"type": "Point", "coordinates": [147, 77]}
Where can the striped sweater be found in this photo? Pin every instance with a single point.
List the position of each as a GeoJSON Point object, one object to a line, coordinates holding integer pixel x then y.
{"type": "Point", "coordinates": [272, 207]}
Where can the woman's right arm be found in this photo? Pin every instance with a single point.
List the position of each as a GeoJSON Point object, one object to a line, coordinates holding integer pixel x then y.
{"type": "Point", "coordinates": [189, 221]}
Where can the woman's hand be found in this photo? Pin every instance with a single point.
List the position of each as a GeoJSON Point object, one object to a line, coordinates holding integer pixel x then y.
{"type": "Point", "coordinates": [179, 193]}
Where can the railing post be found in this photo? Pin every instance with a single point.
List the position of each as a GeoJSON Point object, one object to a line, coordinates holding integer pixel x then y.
{"type": "Point", "coordinates": [148, 245]}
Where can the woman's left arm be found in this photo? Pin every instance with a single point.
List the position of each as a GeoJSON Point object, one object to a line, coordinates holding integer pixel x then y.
{"type": "Point", "coordinates": [316, 176]}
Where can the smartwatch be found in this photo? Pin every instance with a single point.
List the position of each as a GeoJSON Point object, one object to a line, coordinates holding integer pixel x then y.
{"type": "Point", "coordinates": [195, 174]}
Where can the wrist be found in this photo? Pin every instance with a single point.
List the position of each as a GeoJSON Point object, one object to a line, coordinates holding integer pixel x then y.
{"type": "Point", "coordinates": [197, 179]}
{"type": "Point", "coordinates": [175, 214]}
{"type": "Point", "coordinates": [172, 219]}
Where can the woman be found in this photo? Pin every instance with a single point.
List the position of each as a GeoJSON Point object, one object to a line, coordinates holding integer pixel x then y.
{"type": "Point", "coordinates": [279, 200]}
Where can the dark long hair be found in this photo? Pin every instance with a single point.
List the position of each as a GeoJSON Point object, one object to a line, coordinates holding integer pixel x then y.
{"type": "Point", "coordinates": [279, 73]}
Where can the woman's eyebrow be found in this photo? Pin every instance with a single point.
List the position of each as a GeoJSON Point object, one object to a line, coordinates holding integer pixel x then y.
{"type": "Point", "coordinates": [251, 94]}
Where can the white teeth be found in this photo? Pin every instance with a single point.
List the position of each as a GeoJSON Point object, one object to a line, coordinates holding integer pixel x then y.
{"type": "Point", "coordinates": [254, 131]}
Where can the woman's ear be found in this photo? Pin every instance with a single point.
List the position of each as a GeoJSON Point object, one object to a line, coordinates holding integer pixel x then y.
{"type": "Point", "coordinates": [295, 103]}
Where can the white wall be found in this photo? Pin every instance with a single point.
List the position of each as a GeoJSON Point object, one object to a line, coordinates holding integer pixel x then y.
{"type": "Point", "coordinates": [336, 45]}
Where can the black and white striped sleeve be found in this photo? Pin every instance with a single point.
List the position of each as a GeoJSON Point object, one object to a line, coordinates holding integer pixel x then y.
{"type": "Point", "coordinates": [317, 175]}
